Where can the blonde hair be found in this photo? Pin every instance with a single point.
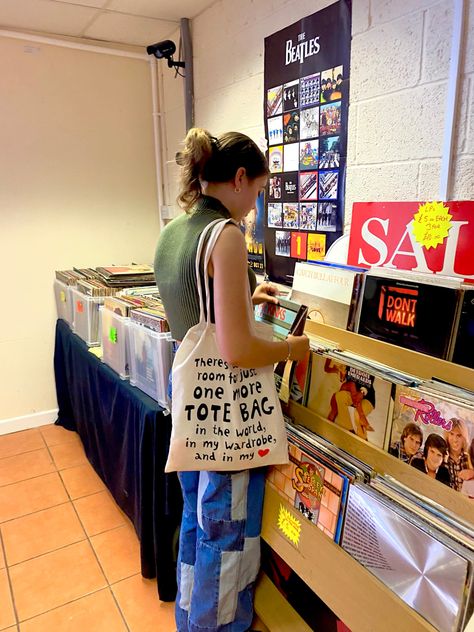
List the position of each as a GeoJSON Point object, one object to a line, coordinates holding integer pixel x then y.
{"type": "Point", "coordinates": [196, 152]}
{"type": "Point", "coordinates": [206, 158]}
{"type": "Point", "coordinates": [460, 425]}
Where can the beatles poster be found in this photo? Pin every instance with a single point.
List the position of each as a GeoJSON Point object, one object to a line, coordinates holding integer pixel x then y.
{"type": "Point", "coordinates": [306, 99]}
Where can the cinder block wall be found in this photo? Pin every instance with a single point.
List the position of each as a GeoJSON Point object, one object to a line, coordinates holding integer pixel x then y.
{"type": "Point", "coordinates": [399, 82]}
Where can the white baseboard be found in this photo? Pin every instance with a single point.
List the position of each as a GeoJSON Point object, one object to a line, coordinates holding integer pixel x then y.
{"type": "Point", "coordinates": [14, 424]}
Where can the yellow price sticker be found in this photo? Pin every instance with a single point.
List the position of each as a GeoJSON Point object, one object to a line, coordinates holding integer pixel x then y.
{"type": "Point", "coordinates": [289, 525]}
{"type": "Point", "coordinates": [431, 224]}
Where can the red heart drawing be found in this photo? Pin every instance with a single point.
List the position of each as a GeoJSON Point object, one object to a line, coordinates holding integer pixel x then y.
{"type": "Point", "coordinates": [263, 452]}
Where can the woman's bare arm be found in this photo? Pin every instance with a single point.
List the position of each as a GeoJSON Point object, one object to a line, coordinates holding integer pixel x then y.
{"type": "Point", "coordinates": [235, 338]}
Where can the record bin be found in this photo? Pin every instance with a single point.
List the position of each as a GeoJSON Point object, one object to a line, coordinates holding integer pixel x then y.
{"type": "Point", "coordinates": [150, 361]}
{"type": "Point", "coordinates": [115, 342]}
{"type": "Point", "coordinates": [64, 302]}
{"type": "Point", "coordinates": [87, 317]}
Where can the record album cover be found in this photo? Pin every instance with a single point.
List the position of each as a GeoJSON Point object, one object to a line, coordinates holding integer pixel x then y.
{"type": "Point", "coordinates": [310, 487]}
{"type": "Point", "coordinates": [410, 314]}
{"type": "Point", "coordinates": [351, 398]}
{"type": "Point", "coordinates": [464, 345]}
{"type": "Point", "coordinates": [328, 290]}
{"type": "Point", "coordinates": [434, 433]}
{"type": "Point", "coordinates": [286, 317]}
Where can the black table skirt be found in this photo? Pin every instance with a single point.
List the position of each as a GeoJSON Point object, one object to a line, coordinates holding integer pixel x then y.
{"type": "Point", "coordinates": [126, 438]}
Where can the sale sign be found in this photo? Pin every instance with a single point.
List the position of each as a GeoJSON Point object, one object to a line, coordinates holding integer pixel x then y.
{"type": "Point", "coordinates": [429, 237]}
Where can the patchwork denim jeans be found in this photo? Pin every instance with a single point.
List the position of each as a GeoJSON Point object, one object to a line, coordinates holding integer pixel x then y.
{"type": "Point", "coordinates": [219, 551]}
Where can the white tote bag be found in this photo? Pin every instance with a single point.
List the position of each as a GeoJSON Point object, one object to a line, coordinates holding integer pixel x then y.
{"type": "Point", "coordinates": [223, 417]}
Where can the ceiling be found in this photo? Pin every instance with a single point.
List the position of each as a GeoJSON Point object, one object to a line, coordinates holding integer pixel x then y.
{"type": "Point", "coordinates": [132, 22]}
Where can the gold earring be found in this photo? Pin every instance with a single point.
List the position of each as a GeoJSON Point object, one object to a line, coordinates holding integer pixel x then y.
{"type": "Point", "coordinates": [236, 190]}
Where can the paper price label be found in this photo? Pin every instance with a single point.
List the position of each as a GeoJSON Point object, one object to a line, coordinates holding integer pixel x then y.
{"type": "Point", "coordinates": [431, 224]}
{"type": "Point", "coordinates": [289, 525]}
{"type": "Point", "coordinates": [79, 307]}
{"type": "Point", "coordinates": [62, 296]}
{"type": "Point", "coordinates": [113, 335]}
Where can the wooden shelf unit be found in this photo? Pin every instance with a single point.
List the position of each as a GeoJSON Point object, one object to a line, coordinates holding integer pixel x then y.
{"type": "Point", "coordinates": [274, 611]}
{"type": "Point", "coordinates": [356, 596]}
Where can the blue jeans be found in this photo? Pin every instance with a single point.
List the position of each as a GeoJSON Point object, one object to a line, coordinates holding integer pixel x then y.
{"type": "Point", "coordinates": [219, 550]}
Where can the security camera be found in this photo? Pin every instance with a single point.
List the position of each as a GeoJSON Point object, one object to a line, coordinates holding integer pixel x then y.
{"type": "Point", "coordinates": [165, 49]}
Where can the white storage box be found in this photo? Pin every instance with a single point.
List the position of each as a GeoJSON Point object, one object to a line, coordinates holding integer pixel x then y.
{"type": "Point", "coordinates": [151, 357]}
{"type": "Point", "coordinates": [115, 341]}
{"type": "Point", "coordinates": [87, 317]}
{"type": "Point", "coordinates": [64, 306]}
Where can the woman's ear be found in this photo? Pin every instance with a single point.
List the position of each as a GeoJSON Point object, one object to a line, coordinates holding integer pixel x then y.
{"type": "Point", "coordinates": [239, 176]}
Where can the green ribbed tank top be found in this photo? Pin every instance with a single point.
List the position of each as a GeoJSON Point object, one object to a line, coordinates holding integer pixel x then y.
{"type": "Point", "coordinates": [174, 265]}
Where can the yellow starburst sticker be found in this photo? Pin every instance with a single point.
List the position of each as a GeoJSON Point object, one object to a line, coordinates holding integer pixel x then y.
{"type": "Point", "coordinates": [289, 525]}
{"type": "Point", "coordinates": [431, 224]}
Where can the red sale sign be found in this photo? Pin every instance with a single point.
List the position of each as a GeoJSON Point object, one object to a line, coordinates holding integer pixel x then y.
{"type": "Point", "coordinates": [430, 237]}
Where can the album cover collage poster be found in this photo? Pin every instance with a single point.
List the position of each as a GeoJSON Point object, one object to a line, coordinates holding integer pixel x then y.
{"type": "Point", "coordinates": [305, 107]}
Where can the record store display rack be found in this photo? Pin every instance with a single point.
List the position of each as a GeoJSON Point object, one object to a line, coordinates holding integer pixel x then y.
{"type": "Point", "coordinates": [356, 596]}
{"type": "Point", "coordinates": [309, 531]}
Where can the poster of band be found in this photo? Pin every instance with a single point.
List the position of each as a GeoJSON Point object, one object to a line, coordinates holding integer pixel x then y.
{"type": "Point", "coordinates": [306, 99]}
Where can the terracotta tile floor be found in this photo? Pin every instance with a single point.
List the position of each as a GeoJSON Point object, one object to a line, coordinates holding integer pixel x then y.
{"type": "Point", "coordinates": [69, 558]}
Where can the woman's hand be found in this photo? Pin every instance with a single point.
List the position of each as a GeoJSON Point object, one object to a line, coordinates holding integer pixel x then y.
{"type": "Point", "coordinates": [265, 293]}
{"type": "Point", "coordinates": [298, 346]}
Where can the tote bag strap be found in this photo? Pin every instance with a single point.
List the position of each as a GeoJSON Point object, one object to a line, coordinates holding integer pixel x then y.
{"type": "Point", "coordinates": [215, 228]}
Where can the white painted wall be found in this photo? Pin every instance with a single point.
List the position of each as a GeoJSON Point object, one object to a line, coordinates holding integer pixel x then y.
{"type": "Point", "coordinates": [77, 188]}
{"type": "Point", "coordinates": [174, 125]}
{"type": "Point", "coordinates": [399, 70]}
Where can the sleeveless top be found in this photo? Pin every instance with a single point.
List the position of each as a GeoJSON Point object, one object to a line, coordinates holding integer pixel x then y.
{"type": "Point", "coordinates": [175, 261]}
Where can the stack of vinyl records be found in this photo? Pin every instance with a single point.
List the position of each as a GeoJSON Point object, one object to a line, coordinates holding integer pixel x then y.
{"type": "Point", "coordinates": [350, 390]}
{"type": "Point", "coordinates": [86, 280]}
{"type": "Point", "coordinates": [69, 277]}
{"type": "Point", "coordinates": [428, 563]}
{"type": "Point", "coordinates": [127, 276]}
{"type": "Point", "coordinates": [94, 288]}
{"type": "Point", "coordinates": [92, 285]}
{"type": "Point", "coordinates": [428, 424]}
{"type": "Point", "coordinates": [421, 551]}
{"type": "Point", "coordinates": [107, 281]}
{"type": "Point", "coordinates": [152, 317]}
{"type": "Point", "coordinates": [398, 306]}
{"type": "Point", "coordinates": [330, 290]}
{"type": "Point", "coordinates": [142, 290]}
{"type": "Point", "coordinates": [433, 430]}
{"type": "Point", "coordinates": [317, 481]}
{"type": "Point", "coordinates": [427, 508]}
{"type": "Point", "coordinates": [141, 307]}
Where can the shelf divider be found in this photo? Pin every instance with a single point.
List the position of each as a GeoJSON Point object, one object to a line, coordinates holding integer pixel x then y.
{"type": "Point", "coordinates": [273, 609]}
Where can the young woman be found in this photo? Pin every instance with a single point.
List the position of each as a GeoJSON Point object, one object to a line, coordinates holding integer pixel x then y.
{"type": "Point", "coordinates": [219, 548]}
{"type": "Point", "coordinates": [458, 461]}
